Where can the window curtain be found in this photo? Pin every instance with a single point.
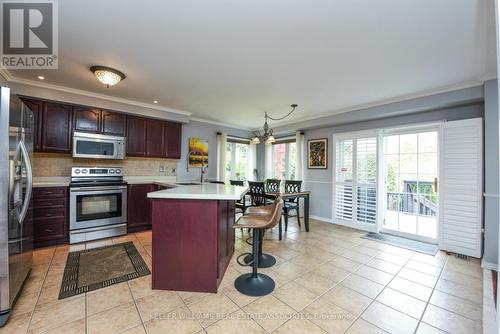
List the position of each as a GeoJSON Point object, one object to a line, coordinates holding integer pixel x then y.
{"type": "Point", "coordinates": [269, 161]}
{"type": "Point", "coordinates": [221, 156]}
{"type": "Point", "coordinates": [299, 140]}
{"type": "Point", "coordinates": [251, 161]}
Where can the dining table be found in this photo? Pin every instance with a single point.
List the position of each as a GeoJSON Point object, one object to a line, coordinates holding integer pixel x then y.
{"type": "Point", "coordinates": [301, 194]}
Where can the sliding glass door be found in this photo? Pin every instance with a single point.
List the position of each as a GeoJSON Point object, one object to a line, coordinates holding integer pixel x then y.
{"type": "Point", "coordinates": [355, 181]}
{"type": "Point", "coordinates": [410, 169]}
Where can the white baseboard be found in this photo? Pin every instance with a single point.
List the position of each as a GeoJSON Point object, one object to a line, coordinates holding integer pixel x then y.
{"type": "Point", "coordinates": [489, 265]}
{"type": "Point", "coordinates": [323, 219]}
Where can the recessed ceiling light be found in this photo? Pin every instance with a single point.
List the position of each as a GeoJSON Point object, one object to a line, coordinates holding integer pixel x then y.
{"type": "Point", "coordinates": [155, 101]}
{"type": "Point", "coordinates": [107, 75]}
{"type": "Point", "coordinates": [41, 77]}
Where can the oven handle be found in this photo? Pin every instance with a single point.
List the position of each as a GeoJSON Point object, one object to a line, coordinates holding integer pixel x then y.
{"type": "Point", "coordinates": [85, 189]}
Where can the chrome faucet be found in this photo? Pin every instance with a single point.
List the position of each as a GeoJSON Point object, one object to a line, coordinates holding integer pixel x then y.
{"type": "Point", "coordinates": [203, 167]}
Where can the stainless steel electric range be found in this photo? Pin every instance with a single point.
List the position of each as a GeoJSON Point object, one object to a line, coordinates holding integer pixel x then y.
{"type": "Point", "coordinates": [98, 203]}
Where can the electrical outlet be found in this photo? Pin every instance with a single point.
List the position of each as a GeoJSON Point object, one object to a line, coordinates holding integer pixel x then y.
{"type": "Point", "coordinates": [162, 168]}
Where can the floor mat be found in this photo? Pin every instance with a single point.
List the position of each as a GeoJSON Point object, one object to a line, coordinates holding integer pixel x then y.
{"type": "Point", "coordinates": [417, 246]}
{"type": "Point", "coordinates": [97, 268]}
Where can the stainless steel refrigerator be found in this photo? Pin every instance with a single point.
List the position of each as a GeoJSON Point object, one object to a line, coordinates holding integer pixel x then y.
{"type": "Point", "coordinates": [16, 180]}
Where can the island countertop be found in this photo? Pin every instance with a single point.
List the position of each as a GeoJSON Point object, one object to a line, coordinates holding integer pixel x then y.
{"type": "Point", "coordinates": [205, 191]}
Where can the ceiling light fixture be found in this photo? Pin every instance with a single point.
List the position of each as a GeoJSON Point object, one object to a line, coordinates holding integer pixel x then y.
{"type": "Point", "coordinates": [41, 77]}
{"type": "Point", "coordinates": [155, 102]}
{"type": "Point", "coordinates": [107, 75]}
{"type": "Point", "coordinates": [267, 137]}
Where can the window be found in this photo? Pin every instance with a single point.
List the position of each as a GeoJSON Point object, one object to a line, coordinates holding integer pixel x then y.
{"type": "Point", "coordinates": [236, 161]}
{"type": "Point", "coordinates": [284, 160]}
{"type": "Point", "coordinates": [356, 181]}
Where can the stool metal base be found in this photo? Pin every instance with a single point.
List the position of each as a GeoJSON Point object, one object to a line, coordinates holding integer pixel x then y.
{"type": "Point", "coordinates": [258, 286]}
{"type": "Point", "coordinates": [265, 260]}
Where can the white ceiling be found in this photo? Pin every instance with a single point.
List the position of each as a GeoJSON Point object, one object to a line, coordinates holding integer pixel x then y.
{"type": "Point", "coordinates": [229, 61]}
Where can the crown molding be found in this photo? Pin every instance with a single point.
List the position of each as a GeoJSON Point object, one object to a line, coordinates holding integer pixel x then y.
{"type": "Point", "coordinates": [402, 98]}
{"type": "Point", "coordinates": [96, 95]}
{"type": "Point", "coordinates": [208, 121]}
{"type": "Point", "coordinates": [489, 76]}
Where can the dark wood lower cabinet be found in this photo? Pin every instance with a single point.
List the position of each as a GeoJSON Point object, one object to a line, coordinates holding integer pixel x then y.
{"type": "Point", "coordinates": [49, 216]}
{"type": "Point", "coordinates": [192, 243]}
{"type": "Point", "coordinates": [139, 207]}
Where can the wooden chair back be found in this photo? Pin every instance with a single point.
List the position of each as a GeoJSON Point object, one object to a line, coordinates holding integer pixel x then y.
{"type": "Point", "coordinates": [257, 191]}
{"type": "Point", "coordinates": [273, 185]}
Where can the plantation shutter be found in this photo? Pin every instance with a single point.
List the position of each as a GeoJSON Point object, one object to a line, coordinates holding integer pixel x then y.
{"type": "Point", "coordinates": [462, 187]}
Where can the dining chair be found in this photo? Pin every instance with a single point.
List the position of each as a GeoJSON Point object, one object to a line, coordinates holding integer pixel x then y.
{"type": "Point", "coordinates": [291, 204]}
{"type": "Point", "coordinates": [273, 185]}
{"type": "Point", "coordinates": [242, 203]}
{"type": "Point", "coordinates": [257, 192]}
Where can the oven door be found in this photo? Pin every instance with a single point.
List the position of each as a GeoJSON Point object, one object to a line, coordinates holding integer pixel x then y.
{"type": "Point", "coordinates": [97, 206]}
{"type": "Point", "coordinates": [98, 146]}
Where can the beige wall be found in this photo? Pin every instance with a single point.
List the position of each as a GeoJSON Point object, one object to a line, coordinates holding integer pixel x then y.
{"type": "Point", "coordinates": [56, 164]}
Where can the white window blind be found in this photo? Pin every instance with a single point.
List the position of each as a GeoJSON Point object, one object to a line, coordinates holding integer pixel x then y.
{"type": "Point", "coordinates": [355, 191]}
{"type": "Point", "coordinates": [462, 187]}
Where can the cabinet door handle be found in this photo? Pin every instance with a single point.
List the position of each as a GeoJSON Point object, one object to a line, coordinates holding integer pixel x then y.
{"type": "Point", "coordinates": [48, 230]}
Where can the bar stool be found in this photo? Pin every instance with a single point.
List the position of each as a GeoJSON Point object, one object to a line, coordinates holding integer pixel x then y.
{"type": "Point", "coordinates": [265, 260]}
{"type": "Point", "coordinates": [256, 284]}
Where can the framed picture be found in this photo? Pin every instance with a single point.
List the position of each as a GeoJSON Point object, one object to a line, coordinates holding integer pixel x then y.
{"type": "Point", "coordinates": [317, 153]}
{"type": "Point", "coordinates": [198, 152]}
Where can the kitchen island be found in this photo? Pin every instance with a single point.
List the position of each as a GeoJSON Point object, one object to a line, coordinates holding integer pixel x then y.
{"type": "Point", "coordinates": [193, 238]}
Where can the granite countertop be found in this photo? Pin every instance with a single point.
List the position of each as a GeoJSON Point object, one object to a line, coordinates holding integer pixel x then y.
{"type": "Point", "coordinates": [51, 181]}
{"type": "Point", "coordinates": [205, 191]}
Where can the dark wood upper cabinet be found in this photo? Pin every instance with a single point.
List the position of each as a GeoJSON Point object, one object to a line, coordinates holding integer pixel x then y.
{"type": "Point", "coordinates": [155, 139]}
{"type": "Point", "coordinates": [54, 124]}
{"type": "Point", "coordinates": [56, 127]}
{"type": "Point", "coordinates": [112, 123]}
{"type": "Point", "coordinates": [173, 134]}
{"type": "Point", "coordinates": [86, 119]}
{"type": "Point", "coordinates": [36, 107]}
{"type": "Point", "coordinates": [136, 136]}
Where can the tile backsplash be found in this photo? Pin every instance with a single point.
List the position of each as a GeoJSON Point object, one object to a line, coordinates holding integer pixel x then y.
{"type": "Point", "coordinates": [57, 164]}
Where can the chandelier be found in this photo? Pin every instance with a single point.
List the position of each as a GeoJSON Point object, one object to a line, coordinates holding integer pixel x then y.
{"type": "Point", "coordinates": [267, 137]}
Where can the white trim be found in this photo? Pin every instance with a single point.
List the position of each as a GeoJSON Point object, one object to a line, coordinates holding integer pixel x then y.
{"type": "Point", "coordinates": [312, 181]}
{"type": "Point", "coordinates": [489, 265]}
{"type": "Point", "coordinates": [228, 125]}
{"type": "Point", "coordinates": [323, 219]}
{"type": "Point", "coordinates": [420, 127]}
{"type": "Point", "coordinates": [402, 98]}
{"type": "Point", "coordinates": [96, 95]}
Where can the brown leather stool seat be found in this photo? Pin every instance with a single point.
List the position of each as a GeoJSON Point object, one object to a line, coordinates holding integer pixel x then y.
{"type": "Point", "coordinates": [265, 260]}
{"type": "Point", "coordinates": [254, 283]}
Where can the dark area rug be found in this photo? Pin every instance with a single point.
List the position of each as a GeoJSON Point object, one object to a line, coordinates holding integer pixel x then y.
{"type": "Point", "coordinates": [97, 268]}
{"type": "Point", "coordinates": [417, 246]}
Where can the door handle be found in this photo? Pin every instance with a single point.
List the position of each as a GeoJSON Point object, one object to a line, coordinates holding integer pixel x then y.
{"type": "Point", "coordinates": [435, 184]}
{"type": "Point", "coordinates": [29, 186]}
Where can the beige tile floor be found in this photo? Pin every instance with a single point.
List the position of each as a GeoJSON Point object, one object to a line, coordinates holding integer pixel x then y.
{"type": "Point", "coordinates": [328, 281]}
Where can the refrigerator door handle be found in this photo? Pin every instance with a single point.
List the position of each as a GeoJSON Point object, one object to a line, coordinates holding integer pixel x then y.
{"type": "Point", "coordinates": [29, 186]}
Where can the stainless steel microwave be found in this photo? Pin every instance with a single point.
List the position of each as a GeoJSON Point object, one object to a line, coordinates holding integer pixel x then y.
{"type": "Point", "coordinates": [94, 146]}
